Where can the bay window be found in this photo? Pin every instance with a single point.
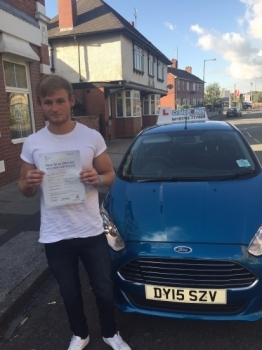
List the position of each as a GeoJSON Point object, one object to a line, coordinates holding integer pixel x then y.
{"type": "Point", "coordinates": [128, 103]}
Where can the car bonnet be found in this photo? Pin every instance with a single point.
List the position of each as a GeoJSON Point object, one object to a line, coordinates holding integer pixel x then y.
{"type": "Point", "coordinates": [197, 212]}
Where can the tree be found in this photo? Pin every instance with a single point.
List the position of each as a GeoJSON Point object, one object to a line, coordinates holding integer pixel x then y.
{"type": "Point", "coordinates": [212, 94]}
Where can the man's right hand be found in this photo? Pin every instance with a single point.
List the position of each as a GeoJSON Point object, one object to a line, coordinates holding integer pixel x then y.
{"type": "Point", "coordinates": [34, 177]}
{"type": "Point", "coordinates": [30, 179]}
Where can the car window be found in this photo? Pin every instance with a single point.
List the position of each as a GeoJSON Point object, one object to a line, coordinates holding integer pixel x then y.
{"type": "Point", "coordinates": [193, 154]}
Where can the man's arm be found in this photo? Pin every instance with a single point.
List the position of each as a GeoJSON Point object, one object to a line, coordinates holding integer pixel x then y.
{"type": "Point", "coordinates": [103, 168]}
{"type": "Point", "coordinates": [30, 179]}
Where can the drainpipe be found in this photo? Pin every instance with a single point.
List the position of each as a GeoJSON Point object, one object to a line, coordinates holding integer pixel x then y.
{"type": "Point", "coordinates": [52, 57]}
{"type": "Point", "coordinates": [79, 70]}
{"type": "Point", "coordinates": [79, 66]}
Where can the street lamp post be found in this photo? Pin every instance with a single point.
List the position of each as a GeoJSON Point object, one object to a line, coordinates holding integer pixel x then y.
{"type": "Point", "coordinates": [251, 91]}
{"type": "Point", "coordinates": [256, 83]}
{"type": "Point", "coordinates": [212, 59]}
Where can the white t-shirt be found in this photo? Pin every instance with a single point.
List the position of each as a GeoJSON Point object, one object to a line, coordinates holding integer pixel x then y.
{"type": "Point", "coordinates": [75, 220]}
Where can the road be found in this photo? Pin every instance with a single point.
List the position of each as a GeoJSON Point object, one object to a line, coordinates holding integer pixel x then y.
{"type": "Point", "coordinates": [44, 324]}
{"type": "Point", "coordinates": [250, 124]}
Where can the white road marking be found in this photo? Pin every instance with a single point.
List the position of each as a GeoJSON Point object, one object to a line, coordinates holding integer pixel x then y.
{"type": "Point", "coordinates": [249, 134]}
{"type": "Point", "coordinates": [256, 147]}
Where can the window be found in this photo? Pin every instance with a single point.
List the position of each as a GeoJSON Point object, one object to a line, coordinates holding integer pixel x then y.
{"type": "Point", "coordinates": [128, 104]}
{"type": "Point", "coordinates": [187, 86]}
{"type": "Point", "coordinates": [200, 87]}
{"type": "Point", "coordinates": [151, 104]}
{"type": "Point", "coordinates": [178, 85]}
{"type": "Point", "coordinates": [194, 86]}
{"type": "Point", "coordinates": [150, 65]}
{"type": "Point", "coordinates": [18, 99]}
{"type": "Point", "coordinates": [138, 59]}
{"type": "Point", "coordinates": [160, 71]}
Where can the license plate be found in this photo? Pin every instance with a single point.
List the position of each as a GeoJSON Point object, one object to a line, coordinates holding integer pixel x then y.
{"type": "Point", "coordinates": [186, 295]}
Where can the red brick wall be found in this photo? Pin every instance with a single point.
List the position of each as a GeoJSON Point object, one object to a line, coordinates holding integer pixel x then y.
{"type": "Point", "coordinates": [10, 152]}
{"type": "Point", "coordinates": [149, 120]}
{"type": "Point", "coordinates": [127, 127]}
{"type": "Point", "coordinates": [44, 55]}
{"type": "Point", "coordinates": [95, 101]}
{"type": "Point", "coordinates": [91, 122]}
{"type": "Point", "coordinates": [27, 6]}
{"type": "Point", "coordinates": [170, 99]}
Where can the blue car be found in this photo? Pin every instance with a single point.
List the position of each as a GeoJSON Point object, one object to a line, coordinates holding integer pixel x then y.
{"type": "Point", "coordinates": [187, 204]}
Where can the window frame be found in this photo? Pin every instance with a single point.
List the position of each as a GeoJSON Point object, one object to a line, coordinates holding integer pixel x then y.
{"type": "Point", "coordinates": [122, 95]}
{"type": "Point", "coordinates": [151, 65]}
{"type": "Point", "coordinates": [160, 71]}
{"type": "Point", "coordinates": [150, 100]}
{"type": "Point", "coordinates": [27, 91]}
{"type": "Point", "coordinates": [138, 59]}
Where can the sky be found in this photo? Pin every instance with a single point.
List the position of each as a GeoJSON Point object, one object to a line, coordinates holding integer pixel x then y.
{"type": "Point", "coordinates": [197, 31]}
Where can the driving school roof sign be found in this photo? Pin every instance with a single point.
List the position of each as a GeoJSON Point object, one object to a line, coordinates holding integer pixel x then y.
{"type": "Point", "coordinates": [190, 115]}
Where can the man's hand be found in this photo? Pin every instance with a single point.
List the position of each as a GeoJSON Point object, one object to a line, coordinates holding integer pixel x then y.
{"type": "Point", "coordinates": [34, 178]}
{"type": "Point", "coordinates": [30, 179]}
{"type": "Point", "coordinates": [102, 170]}
{"type": "Point", "coordinates": [89, 177]}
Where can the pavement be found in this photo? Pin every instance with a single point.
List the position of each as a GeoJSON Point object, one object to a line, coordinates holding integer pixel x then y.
{"type": "Point", "coordinates": [23, 267]}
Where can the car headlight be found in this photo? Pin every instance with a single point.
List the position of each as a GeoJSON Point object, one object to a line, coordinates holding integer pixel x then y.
{"type": "Point", "coordinates": [113, 236]}
{"type": "Point", "coordinates": [255, 246]}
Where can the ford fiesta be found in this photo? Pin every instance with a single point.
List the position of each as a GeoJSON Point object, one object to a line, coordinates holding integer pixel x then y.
{"type": "Point", "coordinates": [187, 204]}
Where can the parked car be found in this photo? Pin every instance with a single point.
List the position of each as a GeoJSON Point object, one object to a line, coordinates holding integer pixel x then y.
{"type": "Point", "coordinates": [246, 105]}
{"type": "Point", "coordinates": [185, 202]}
{"type": "Point", "coordinates": [234, 112]}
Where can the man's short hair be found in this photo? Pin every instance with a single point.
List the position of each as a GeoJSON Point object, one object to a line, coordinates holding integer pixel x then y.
{"type": "Point", "coordinates": [50, 83]}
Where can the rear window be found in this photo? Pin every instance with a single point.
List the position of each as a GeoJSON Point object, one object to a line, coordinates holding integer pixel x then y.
{"type": "Point", "coordinates": [194, 154]}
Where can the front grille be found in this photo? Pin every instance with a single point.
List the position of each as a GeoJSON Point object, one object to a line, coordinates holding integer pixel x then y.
{"type": "Point", "coordinates": [185, 273]}
{"type": "Point", "coordinates": [214, 309]}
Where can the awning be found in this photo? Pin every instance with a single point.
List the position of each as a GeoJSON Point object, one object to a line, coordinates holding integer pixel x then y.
{"type": "Point", "coordinates": [17, 48]}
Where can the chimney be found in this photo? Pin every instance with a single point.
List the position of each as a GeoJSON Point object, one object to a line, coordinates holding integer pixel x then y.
{"type": "Point", "coordinates": [132, 24]}
{"type": "Point", "coordinates": [189, 70]}
{"type": "Point", "coordinates": [67, 14]}
{"type": "Point", "coordinates": [174, 63]}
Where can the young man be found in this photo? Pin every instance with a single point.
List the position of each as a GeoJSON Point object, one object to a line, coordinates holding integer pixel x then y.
{"type": "Point", "coordinates": [73, 231]}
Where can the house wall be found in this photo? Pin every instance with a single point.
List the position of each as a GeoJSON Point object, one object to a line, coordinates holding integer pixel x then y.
{"type": "Point", "coordinates": [30, 37]}
{"type": "Point", "coordinates": [170, 99]}
{"type": "Point", "coordinates": [100, 59]}
{"type": "Point", "coordinates": [128, 127]}
{"type": "Point", "coordinates": [130, 75]}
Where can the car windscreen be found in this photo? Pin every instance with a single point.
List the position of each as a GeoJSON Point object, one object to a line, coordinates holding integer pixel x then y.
{"type": "Point", "coordinates": [189, 155]}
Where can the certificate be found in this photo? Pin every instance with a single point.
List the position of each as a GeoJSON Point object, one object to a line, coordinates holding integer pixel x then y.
{"type": "Point", "coordinates": [61, 183]}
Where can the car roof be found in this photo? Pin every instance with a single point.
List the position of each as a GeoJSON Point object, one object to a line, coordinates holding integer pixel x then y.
{"type": "Point", "coordinates": [207, 125]}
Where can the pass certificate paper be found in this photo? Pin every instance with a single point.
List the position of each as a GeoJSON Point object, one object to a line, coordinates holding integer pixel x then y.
{"type": "Point", "coordinates": [61, 183]}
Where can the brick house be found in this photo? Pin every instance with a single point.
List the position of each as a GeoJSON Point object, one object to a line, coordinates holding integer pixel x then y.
{"type": "Point", "coordinates": [117, 74]}
{"type": "Point", "coordinates": [24, 58]}
{"type": "Point", "coordinates": [184, 88]}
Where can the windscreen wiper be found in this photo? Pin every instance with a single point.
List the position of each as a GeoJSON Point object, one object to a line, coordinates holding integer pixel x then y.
{"type": "Point", "coordinates": [236, 175]}
{"type": "Point", "coordinates": [172, 179]}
